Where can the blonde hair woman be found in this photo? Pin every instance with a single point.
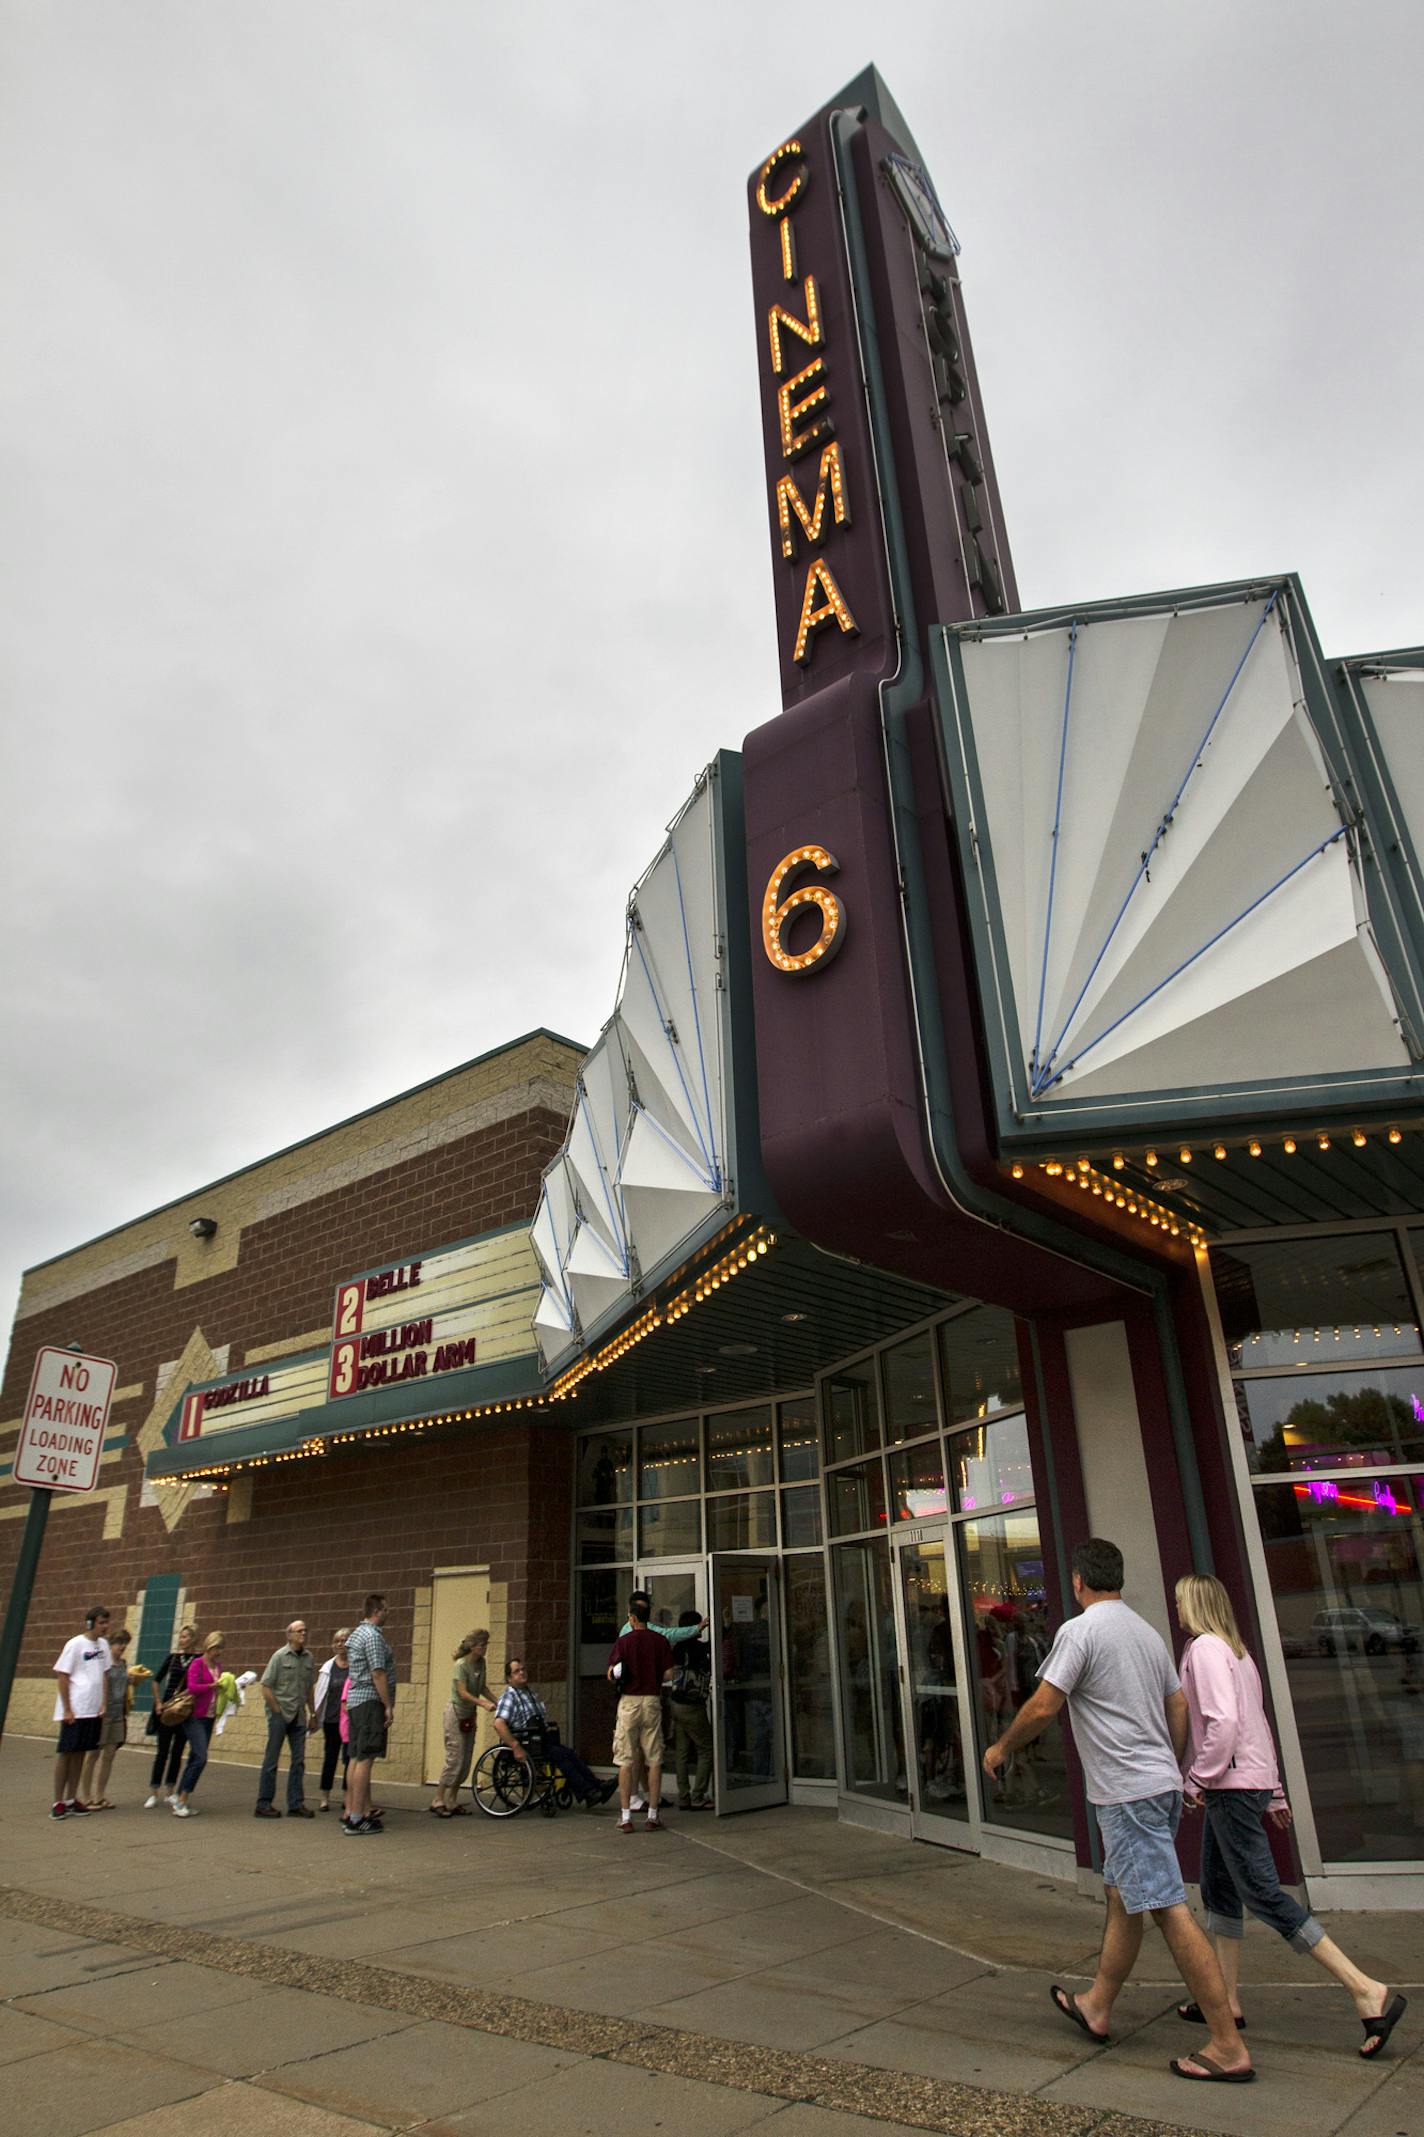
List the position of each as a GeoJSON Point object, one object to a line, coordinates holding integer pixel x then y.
{"type": "Point", "coordinates": [326, 1705]}
{"type": "Point", "coordinates": [1233, 1776]}
{"type": "Point", "coordinates": [468, 1693]}
{"type": "Point", "coordinates": [202, 1682]}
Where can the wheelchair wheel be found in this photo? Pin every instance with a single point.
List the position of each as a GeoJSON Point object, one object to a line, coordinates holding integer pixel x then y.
{"type": "Point", "coordinates": [501, 1784]}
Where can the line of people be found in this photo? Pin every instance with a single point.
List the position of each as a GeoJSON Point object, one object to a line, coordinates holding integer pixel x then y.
{"type": "Point", "coordinates": [1150, 1743]}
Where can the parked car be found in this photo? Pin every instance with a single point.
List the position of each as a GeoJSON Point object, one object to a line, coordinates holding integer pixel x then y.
{"type": "Point", "coordinates": [1375, 1631]}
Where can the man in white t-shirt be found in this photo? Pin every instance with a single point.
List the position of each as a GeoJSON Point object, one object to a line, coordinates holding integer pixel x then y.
{"type": "Point", "coordinates": [81, 1673]}
{"type": "Point", "coordinates": [1129, 1717]}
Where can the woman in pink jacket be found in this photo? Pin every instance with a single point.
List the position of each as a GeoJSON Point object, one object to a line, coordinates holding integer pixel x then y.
{"type": "Point", "coordinates": [1232, 1775]}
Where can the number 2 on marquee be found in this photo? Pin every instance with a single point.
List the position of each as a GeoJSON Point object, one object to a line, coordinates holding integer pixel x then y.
{"type": "Point", "coordinates": [777, 910]}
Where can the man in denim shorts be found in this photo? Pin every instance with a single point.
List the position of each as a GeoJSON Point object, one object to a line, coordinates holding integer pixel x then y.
{"type": "Point", "coordinates": [1129, 1718]}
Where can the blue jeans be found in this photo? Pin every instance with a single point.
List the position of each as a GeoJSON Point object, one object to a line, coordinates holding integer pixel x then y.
{"type": "Point", "coordinates": [294, 1735]}
{"type": "Point", "coordinates": [1140, 1853]}
{"type": "Point", "coordinates": [197, 1735]}
{"type": "Point", "coordinates": [1237, 1866]}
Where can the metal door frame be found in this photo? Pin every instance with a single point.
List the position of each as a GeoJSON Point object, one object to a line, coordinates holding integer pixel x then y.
{"type": "Point", "coordinates": [731, 1802]}
{"type": "Point", "coordinates": [965, 1833]}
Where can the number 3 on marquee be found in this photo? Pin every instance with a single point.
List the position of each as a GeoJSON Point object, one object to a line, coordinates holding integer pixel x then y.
{"type": "Point", "coordinates": [777, 910]}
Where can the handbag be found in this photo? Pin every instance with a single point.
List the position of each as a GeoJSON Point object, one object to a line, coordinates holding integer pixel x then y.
{"type": "Point", "coordinates": [172, 1713]}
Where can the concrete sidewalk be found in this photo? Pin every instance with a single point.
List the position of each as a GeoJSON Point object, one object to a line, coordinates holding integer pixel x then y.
{"type": "Point", "coordinates": [218, 1976]}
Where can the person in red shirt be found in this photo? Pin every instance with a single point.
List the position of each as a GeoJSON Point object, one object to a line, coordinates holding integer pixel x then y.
{"type": "Point", "coordinates": [639, 1662]}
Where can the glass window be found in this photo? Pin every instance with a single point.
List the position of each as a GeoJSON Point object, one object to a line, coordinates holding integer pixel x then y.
{"type": "Point", "coordinates": [1333, 1420]}
{"type": "Point", "coordinates": [911, 1409]}
{"type": "Point", "coordinates": [800, 1516]}
{"type": "Point", "coordinates": [979, 1354]}
{"type": "Point", "coordinates": [1347, 1582]}
{"type": "Point", "coordinates": [852, 1412]}
{"type": "Point", "coordinates": [1001, 1563]}
{"type": "Point", "coordinates": [800, 1454]}
{"type": "Point", "coordinates": [742, 1521]}
{"type": "Point", "coordinates": [856, 1498]}
{"type": "Point", "coordinates": [600, 1599]}
{"type": "Point", "coordinates": [668, 1460]}
{"type": "Point", "coordinates": [990, 1465]}
{"type": "Point", "coordinates": [739, 1449]}
{"type": "Point", "coordinates": [605, 1468]}
{"type": "Point", "coordinates": [808, 1655]}
{"type": "Point", "coordinates": [870, 1680]}
{"type": "Point", "coordinates": [917, 1483]}
{"type": "Point", "coordinates": [1322, 1301]}
{"type": "Point", "coordinates": [605, 1535]}
{"type": "Point", "coordinates": [671, 1531]}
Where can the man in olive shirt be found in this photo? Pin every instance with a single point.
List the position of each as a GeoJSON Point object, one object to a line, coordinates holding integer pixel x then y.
{"type": "Point", "coordinates": [286, 1689]}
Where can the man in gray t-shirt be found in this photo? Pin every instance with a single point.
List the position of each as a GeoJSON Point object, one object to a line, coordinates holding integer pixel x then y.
{"type": "Point", "coordinates": [1129, 1719]}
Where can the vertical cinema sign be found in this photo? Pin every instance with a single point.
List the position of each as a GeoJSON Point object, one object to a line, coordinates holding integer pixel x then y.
{"type": "Point", "coordinates": [817, 444]}
{"type": "Point", "coordinates": [805, 417]}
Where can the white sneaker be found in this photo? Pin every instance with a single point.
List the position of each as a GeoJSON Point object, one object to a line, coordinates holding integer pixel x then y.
{"type": "Point", "coordinates": [172, 1801]}
{"type": "Point", "coordinates": [637, 1803]}
{"type": "Point", "coordinates": [184, 1810]}
{"type": "Point", "coordinates": [152, 1800]}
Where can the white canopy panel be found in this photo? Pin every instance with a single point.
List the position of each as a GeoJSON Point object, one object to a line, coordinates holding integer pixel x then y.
{"type": "Point", "coordinates": [644, 1164]}
{"type": "Point", "coordinates": [1168, 853]}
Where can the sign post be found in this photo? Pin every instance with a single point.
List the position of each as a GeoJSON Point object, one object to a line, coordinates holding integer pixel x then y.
{"type": "Point", "coordinates": [61, 1440]}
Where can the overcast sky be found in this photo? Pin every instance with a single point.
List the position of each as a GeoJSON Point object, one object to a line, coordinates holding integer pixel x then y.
{"type": "Point", "coordinates": [382, 507]}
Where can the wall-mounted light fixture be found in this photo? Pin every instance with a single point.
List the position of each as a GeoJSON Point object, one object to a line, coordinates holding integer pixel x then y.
{"type": "Point", "coordinates": [203, 1227]}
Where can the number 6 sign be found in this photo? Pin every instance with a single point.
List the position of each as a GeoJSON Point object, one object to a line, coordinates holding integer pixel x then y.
{"type": "Point", "coordinates": [777, 910]}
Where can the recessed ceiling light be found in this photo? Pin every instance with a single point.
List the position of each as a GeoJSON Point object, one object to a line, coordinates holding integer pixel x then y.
{"type": "Point", "coordinates": [736, 1350]}
{"type": "Point", "coordinates": [791, 1318]}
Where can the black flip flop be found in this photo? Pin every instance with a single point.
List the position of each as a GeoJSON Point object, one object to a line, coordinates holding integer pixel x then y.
{"type": "Point", "coordinates": [1066, 2002]}
{"type": "Point", "coordinates": [1191, 2015]}
{"type": "Point", "coordinates": [1379, 2029]}
{"type": "Point", "coordinates": [1211, 2073]}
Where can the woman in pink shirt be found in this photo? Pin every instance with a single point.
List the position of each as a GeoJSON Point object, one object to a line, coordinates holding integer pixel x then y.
{"type": "Point", "coordinates": [202, 1681]}
{"type": "Point", "coordinates": [1232, 1775]}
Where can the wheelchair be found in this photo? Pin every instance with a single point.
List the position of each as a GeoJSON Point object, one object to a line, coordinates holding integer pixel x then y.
{"type": "Point", "coordinates": [503, 1785]}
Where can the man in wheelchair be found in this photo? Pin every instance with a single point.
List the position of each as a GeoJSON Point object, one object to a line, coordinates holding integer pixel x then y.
{"type": "Point", "coordinates": [522, 1724]}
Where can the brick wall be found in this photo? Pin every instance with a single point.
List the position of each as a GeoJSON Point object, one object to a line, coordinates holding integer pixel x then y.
{"type": "Point", "coordinates": [311, 1538]}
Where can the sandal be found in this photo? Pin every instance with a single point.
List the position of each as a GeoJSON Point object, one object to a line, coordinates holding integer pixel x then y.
{"type": "Point", "coordinates": [1193, 2015]}
{"type": "Point", "coordinates": [1063, 2000]}
{"type": "Point", "coordinates": [1210, 2073]}
{"type": "Point", "coordinates": [1378, 2030]}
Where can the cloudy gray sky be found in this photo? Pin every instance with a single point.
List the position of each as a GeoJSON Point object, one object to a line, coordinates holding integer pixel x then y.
{"type": "Point", "coordinates": [382, 511]}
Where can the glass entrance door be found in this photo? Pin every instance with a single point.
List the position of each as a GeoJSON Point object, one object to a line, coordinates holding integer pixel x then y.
{"type": "Point", "coordinates": [943, 1795]}
{"type": "Point", "coordinates": [747, 1683]}
{"type": "Point", "coordinates": [673, 1588]}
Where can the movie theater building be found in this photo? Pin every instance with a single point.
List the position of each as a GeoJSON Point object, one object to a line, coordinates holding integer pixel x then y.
{"type": "Point", "coordinates": [1008, 1128]}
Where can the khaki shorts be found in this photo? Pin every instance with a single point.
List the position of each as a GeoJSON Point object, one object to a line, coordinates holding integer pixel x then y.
{"type": "Point", "coordinates": [639, 1727]}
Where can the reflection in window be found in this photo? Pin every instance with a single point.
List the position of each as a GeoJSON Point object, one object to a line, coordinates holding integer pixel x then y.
{"type": "Point", "coordinates": [743, 1521]}
{"type": "Point", "coordinates": [917, 1483]}
{"type": "Point", "coordinates": [991, 1465]}
{"type": "Point", "coordinates": [1325, 1301]}
{"type": "Point", "coordinates": [605, 1535]}
{"type": "Point", "coordinates": [1006, 1608]}
{"type": "Point", "coordinates": [1322, 1420]}
{"type": "Point", "coordinates": [605, 1468]}
{"type": "Point", "coordinates": [739, 1449]}
{"type": "Point", "coordinates": [800, 1454]}
{"type": "Point", "coordinates": [668, 1463]}
{"type": "Point", "coordinates": [813, 1748]}
{"type": "Point", "coordinates": [979, 1354]}
{"type": "Point", "coordinates": [856, 1498]}
{"type": "Point", "coordinates": [910, 1406]}
{"type": "Point", "coordinates": [870, 1682]}
{"type": "Point", "coordinates": [800, 1516]}
{"type": "Point", "coordinates": [1346, 1576]}
{"type": "Point", "coordinates": [852, 1412]}
{"type": "Point", "coordinates": [671, 1531]}
{"type": "Point", "coordinates": [600, 1602]}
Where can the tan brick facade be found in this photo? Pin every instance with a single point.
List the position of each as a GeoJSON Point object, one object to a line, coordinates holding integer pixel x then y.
{"type": "Point", "coordinates": [458, 1157]}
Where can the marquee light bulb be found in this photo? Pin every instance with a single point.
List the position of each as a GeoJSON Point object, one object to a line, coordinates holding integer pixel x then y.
{"type": "Point", "coordinates": [1395, 1136]}
{"type": "Point", "coordinates": [1218, 1150]}
{"type": "Point", "coordinates": [1254, 1148]}
{"type": "Point", "coordinates": [1357, 1139]}
{"type": "Point", "coordinates": [1289, 1146]}
{"type": "Point", "coordinates": [1185, 1155]}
